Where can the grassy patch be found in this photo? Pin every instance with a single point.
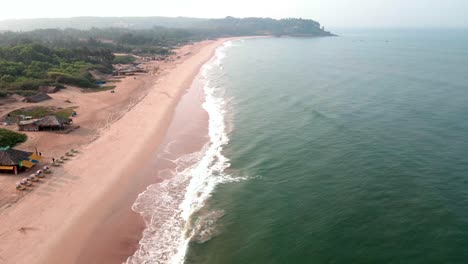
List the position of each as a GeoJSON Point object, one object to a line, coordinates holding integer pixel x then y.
{"type": "Point", "coordinates": [100, 89]}
{"type": "Point", "coordinates": [65, 113]}
{"type": "Point", "coordinates": [41, 111]}
{"type": "Point", "coordinates": [10, 138]}
{"type": "Point", "coordinates": [34, 112]}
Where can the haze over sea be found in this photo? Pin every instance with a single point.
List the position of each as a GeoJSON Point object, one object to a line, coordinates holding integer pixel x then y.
{"type": "Point", "coordinates": [353, 150]}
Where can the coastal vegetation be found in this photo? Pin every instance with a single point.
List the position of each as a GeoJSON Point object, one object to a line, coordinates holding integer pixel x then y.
{"type": "Point", "coordinates": [10, 138]}
{"type": "Point", "coordinates": [153, 35]}
{"type": "Point", "coordinates": [123, 59]}
{"type": "Point", "coordinates": [57, 56]}
{"type": "Point", "coordinates": [175, 25]}
{"type": "Point", "coordinates": [24, 68]}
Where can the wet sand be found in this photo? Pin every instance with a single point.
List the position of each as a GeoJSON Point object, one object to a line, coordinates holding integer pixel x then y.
{"type": "Point", "coordinates": [117, 236]}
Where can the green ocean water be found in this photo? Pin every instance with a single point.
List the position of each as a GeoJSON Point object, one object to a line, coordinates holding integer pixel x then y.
{"type": "Point", "coordinates": [355, 150]}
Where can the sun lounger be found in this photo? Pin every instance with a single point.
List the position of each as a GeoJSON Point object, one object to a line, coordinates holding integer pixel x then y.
{"type": "Point", "coordinates": [46, 169]}
{"type": "Point", "coordinates": [33, 178]}
{"type": "Point", "coordinates": [26, 182]}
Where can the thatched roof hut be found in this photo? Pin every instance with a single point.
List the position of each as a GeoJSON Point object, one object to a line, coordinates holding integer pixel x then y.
{"type": "Point", "coordinates": [37, 98]}
{"type": "Point", "coordinates": [12, 159]}
{"type": "Point", "coordinates": [28, 125]}
{"type": "Point", "coordinates": [13, 156]}
{"type": "Point", "coordinates": [52, 121]}
{"type": "Point", "coordinates": [45, 123]}
{"type": "Point", "coordinates": [129, 70]}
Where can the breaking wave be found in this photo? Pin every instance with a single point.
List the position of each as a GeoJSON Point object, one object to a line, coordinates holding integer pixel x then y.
{"type": "Point", "coordinates": [169, 207]}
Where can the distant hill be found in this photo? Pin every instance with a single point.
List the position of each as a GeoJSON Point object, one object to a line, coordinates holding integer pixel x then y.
{"type": "Point", "coordinates": [85, 23]}
{"type": "Point", "coordinates": [227, 26]}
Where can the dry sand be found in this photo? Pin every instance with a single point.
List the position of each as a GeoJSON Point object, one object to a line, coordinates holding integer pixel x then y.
{"type": "Point", "coordinates": [52, 223]}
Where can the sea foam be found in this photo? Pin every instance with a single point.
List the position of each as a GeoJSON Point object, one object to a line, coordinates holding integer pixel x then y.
{"type": "Point", "coordinates": [168, 207]}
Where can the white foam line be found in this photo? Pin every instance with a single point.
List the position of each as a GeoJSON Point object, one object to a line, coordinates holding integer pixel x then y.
{"type": "Point", "coordinates": [168, 206]}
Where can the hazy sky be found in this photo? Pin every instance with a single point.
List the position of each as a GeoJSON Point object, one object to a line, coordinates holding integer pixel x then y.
{"type": "Point", "coordinates": [331, 13]}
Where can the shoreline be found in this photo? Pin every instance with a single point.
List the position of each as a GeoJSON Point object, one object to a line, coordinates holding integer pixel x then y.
{"type": "Point", "coordinates": [62, 222]}
{"type": "Point", "coordinates": [121, 232]}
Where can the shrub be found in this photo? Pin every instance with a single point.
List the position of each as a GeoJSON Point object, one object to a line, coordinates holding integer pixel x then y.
{"type": "Point", "coordinates": [58, 85]}
{"type": "Point", "coordinates": [123, 59]}
{"type": "Point", "coordinates": [7, 78]}
{"type": "Point", "coordinates": [27, 84]}
{"type": "Point", "coordinates": [71, 80]}
{"type": "Point", "coordinates": [23, 92]}
{"type": "Point", "coordinates": [76, 81]}
{"type": "Point", "coordinates": [10, 138]}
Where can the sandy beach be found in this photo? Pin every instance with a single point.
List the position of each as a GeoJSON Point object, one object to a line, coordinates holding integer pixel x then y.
{"type": "Point", "coordinates": [82, 213]}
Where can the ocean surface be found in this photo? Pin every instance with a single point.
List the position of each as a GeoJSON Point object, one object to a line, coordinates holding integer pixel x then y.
{"type": "Point", "coordinates": [349, 149]}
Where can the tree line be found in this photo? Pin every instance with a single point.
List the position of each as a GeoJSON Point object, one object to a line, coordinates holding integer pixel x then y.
{"type": "Point", "coordinates": [23, 68]}
{"type": "Point", "coordinates": [65, 56]}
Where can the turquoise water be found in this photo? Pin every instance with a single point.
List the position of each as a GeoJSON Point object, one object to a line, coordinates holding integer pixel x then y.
{"type": "Point", "coordinates": [354, 150]}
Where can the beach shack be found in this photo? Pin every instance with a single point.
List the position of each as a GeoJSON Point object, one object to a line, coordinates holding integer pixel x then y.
{"type": "Point", "coordinates": [52, 123]}
{"type": "Point", "coordinates": [48, 123]}
{"type": "Point", "coordinates": [14, 161]}
{"type": "Point", "coordinates": [130, 70]}
{"type": "Point", "coordinates": [28, 125]}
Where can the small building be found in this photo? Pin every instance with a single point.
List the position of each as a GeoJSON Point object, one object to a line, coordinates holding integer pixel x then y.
{"type": "Point", "coordinates": [48, 123]}
{"type": "Point", "coordinates": [52, 123]}
{"type": "Point", "coordinates": [128, 70]}
{"type": "Point", "coordinates": [37, 98]}
{"type": "Point", "coordinates": [28, 125]}
{"type": "Point", "coordinates": [14, 161]}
